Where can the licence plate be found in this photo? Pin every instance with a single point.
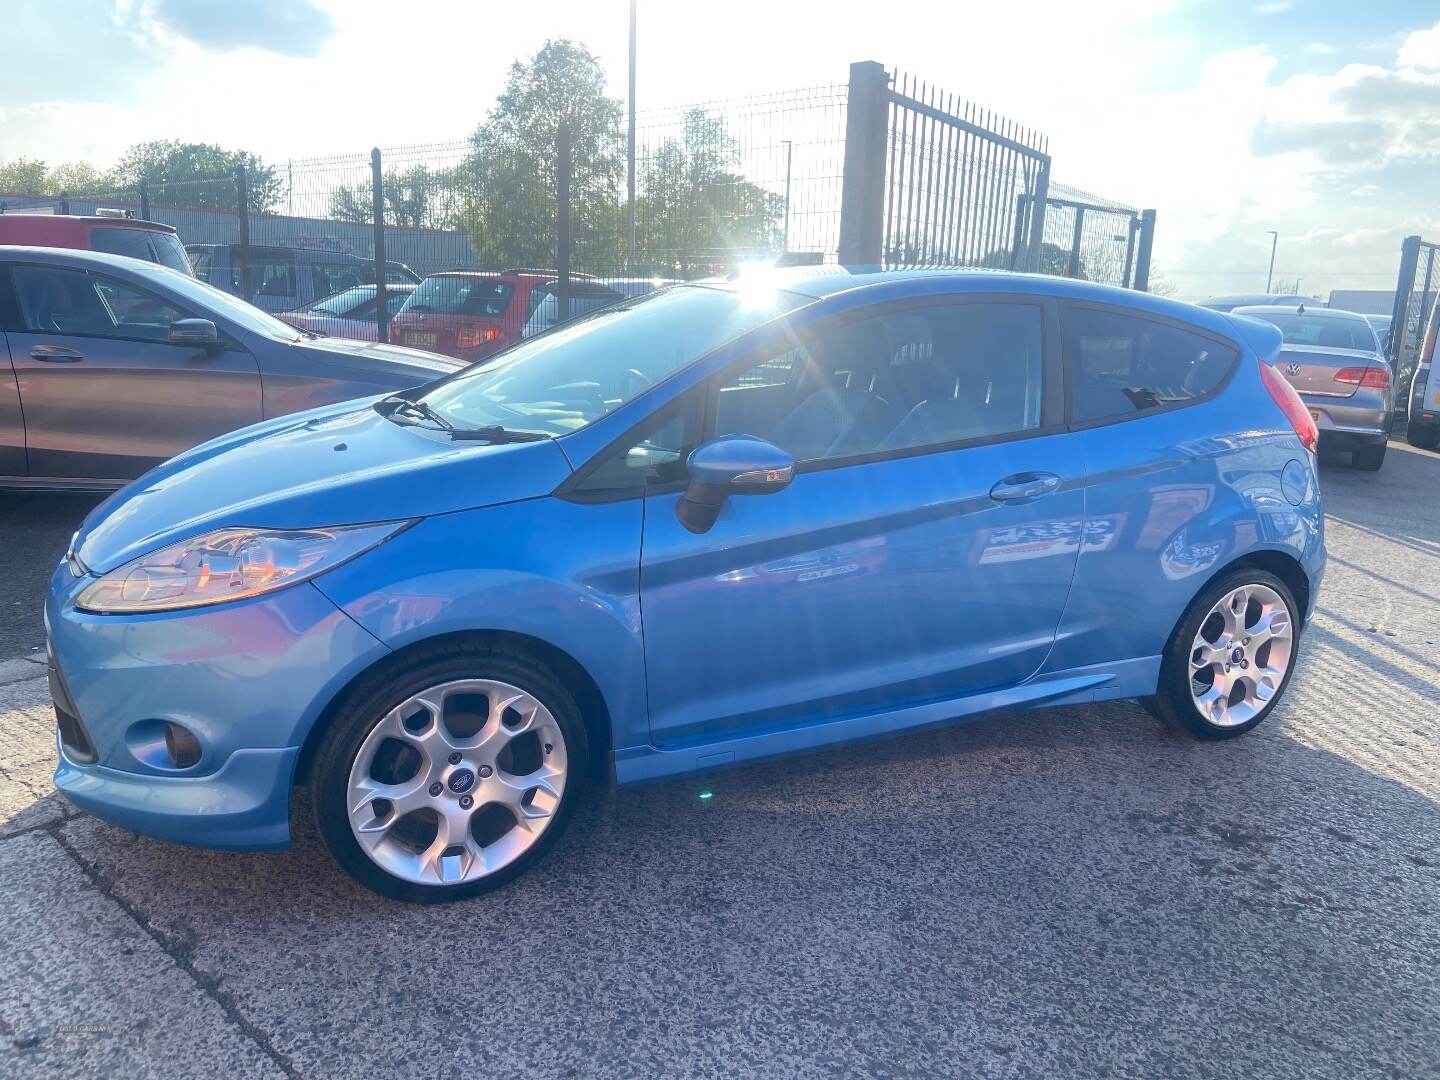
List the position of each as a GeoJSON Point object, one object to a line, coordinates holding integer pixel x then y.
{"type": "Point", "coordinates": [425, 340]}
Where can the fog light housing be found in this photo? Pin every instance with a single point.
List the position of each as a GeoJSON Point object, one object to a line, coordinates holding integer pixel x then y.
{"type": "Point", "coordinates": [164, 745]}
{"type": "Point", "coordinates": [182, 746]}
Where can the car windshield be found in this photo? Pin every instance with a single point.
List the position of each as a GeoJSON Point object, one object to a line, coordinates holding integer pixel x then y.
{"type": "Point", "coordinates": [342, 302]}
{"type": "Point", "coordinates": [1323, 331]}
{"type": "Point", "coordinates": [572, 376]}
{"type": "Point", "coordinates": [207, 299]}
{"type": "Point", "coordinates": [152, 245]}
{"type": "Point", "coordinates": [457, 295]}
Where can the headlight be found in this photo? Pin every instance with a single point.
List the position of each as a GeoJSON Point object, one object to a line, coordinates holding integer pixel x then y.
{"type": "Point", "coordinates": [228, 564]}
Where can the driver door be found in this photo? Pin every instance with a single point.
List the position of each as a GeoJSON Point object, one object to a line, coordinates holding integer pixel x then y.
{"type": "Point", "coordinates": [105, 395]}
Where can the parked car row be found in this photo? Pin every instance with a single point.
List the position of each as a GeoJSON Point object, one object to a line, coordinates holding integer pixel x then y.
{"type": "Point", "coordinates": [109, 366]}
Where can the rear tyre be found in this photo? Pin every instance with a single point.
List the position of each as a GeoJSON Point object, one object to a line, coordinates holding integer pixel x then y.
{"type": "Point", "coordinates": [1369, 458]}
{"type": "Point", "coordinates": [1425, 436]}
{"type": "Point", "coordinates": [1231, 656]}
{"type": "Point", "coordinates": [449, 777]}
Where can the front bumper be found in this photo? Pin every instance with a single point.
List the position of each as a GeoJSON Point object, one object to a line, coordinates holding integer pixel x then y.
{"type": "Point", "coordinates": [248, 680]}
{"type": "Point", "coordinates": [242, 806]}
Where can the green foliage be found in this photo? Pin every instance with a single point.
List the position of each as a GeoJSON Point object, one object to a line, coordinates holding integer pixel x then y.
{"type": "Point", "coordinates": [507, 182]}
{"type": "Point", "coordinates": [1054, 260]}
{"type": "Point", "coordinates": [196, 174]}
{"type": "Point", "coordinates": [695, 214]}
{"type": "Point", "coordinates": [30, 176]}
{"type": "Point", "coordinates": [418, 197]}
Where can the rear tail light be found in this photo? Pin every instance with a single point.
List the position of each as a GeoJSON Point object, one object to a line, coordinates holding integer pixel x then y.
{"type": "Point", "coordinates": [472, 337]}
{"type": "Point", "coordinates": [1377, 377]}
{"type": "Point", "coordinates": [1290, 404]}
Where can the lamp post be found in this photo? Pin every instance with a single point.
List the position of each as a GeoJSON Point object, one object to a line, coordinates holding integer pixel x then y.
{"type": "Point", "coordinates": [1274, 240]}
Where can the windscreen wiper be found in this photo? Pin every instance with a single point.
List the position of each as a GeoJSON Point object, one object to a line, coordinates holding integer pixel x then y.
{"type": "Point", "coordinates": [494, 435]}
{"type": "Point", "coordinates": [416, 410]}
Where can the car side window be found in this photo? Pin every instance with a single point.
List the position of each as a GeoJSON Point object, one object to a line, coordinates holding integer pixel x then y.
{"type": "Point", "coordinates": [59, 301]}
{"type": "Point", "coordinates": [927, 376]}
{"type": "Point", "coordinates": [1123, 364]}
{"type": "Point", "coordinates": [654, 455]}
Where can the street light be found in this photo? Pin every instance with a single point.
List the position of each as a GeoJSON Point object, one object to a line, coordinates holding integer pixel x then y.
{"type": "Point", "coordinates": [1274, 240]}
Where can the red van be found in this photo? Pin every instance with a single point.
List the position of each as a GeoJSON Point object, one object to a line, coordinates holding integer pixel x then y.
{"type": "Point", "coordinates": [114, 235]}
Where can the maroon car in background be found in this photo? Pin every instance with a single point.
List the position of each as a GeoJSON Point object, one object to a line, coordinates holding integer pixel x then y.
{"type": "Point", "coordinates": [473, 314]}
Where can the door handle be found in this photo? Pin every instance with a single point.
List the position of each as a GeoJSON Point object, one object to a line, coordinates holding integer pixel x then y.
{"type": "Point", "coordinates": [1023, 486]}
{"type": "Point", "coordinates": [55, 354]}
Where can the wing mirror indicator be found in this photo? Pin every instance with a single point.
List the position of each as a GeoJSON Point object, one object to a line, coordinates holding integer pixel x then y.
{"type": "Point", "coordinates": [730, 465]}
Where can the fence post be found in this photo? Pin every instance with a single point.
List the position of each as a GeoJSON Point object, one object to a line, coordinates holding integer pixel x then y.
{"type": "Point", "coordinates": [1400, 311]}
{"type": "Point", "coordinates": [64, 202]}
{"type": "Point", "coordinates": [1072, 270]}
{"type": "Point", "coordinates": [562, 222]}
{"type": "Point", "coordinates": [377, 208]}
{"type": "Point", "coordinates": [1142, 256]}
{"type": "Point", "coordinates": [242, 202]}
{"type": "Point", "coordinates": [144, 200]}
{"type": "Point", "coordinates": [1134, 224]}
{"type": "Point", "coordinates": [862, 192]}
{"type": "Point", "coordinates": [1039, 204]}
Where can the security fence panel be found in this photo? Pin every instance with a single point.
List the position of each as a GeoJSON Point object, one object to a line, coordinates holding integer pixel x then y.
{"type": "Point", "coordinates": [1089, 238]}
{"type": "Point", "coordinates": [961, 183]}
{"type": "Point", "coordinates": [1415, 293]}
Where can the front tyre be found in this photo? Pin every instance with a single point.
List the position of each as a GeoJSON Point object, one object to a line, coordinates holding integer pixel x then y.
{"type": "Point", "coordinates": [449, 778]}
{"type": "Point", "coordinates": [1231, 656]}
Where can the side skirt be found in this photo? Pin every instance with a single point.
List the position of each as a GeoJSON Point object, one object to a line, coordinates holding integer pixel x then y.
{"type": "Point", "coordinates": [1099, 682]}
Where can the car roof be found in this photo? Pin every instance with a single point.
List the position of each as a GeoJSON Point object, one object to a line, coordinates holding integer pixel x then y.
{"type": "Point", "coordinates": [1291, 309]}
{"type": "Point", "coordinates": [820, 282]}
{"type": "Point", "coordinates": [93, 219]}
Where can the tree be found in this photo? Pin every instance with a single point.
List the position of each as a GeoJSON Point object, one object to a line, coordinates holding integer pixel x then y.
{"type": "Point", "coordinates": [507, 181]}
{"type": "Point", "coordinates": [695, 213]}
{"type": "Point", "coordinates": [1054, 260]}
{"type": "Point", "coordinates": [418, 197]}
{"type": "Point", "coordinates": [30, 176]}
{"type": "Point", "coordinates": [196, 174]}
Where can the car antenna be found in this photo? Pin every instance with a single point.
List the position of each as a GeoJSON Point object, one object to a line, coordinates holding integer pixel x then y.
{"type": "Point", "coordinates": [1300, 310]}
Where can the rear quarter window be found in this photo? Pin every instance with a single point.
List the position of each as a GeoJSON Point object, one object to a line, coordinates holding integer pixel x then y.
{"type": "Point", "coordinates": [1121, 365]}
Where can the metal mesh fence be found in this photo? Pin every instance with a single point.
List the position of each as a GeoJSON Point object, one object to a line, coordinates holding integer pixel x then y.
{"type": "Point", "coordinates": [1088, 237]}
{"type": "Point", "coordinates": [1414, 306]}
{"type": "Point", "coordinates": [716, 184]}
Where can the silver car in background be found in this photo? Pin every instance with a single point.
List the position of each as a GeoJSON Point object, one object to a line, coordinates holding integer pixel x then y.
{"type": "Point", "coordinates": [1334, 359]}
{"type": "Point", "coordinates": [110, 365]}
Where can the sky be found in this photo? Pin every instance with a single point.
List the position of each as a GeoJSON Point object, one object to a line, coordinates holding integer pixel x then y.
{"type": "Point", "coordinates": [1319, 120]}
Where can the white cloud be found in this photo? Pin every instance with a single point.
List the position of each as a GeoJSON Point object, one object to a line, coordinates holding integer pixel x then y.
{"type": "Point", "coordinates": [1422, 49]}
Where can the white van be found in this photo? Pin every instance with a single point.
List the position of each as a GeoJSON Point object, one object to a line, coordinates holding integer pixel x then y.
{"type": "Point", "coordinates": [1424, 427]}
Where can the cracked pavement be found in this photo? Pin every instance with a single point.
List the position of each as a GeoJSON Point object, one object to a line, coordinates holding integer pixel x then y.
{"type": "Point", "coordinates": [1070, 893]}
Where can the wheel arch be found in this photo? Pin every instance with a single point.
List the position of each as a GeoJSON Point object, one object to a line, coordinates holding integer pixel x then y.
{"type": "Point", "coordinates": [594, 710]}
{"type": "Point", "coordinates": [1282, 564]}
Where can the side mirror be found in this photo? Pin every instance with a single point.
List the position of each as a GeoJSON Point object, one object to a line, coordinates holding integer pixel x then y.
{"type": "Point", "coordinates": [730, 465]}
{"type": "Point", "coordinates": [198, 332]}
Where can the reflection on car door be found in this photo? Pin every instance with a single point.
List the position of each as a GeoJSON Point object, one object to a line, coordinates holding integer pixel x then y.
{"type": "Point", "coordinates": [105, 395]}
{"type": "Point", "coordinates": [904, 564]}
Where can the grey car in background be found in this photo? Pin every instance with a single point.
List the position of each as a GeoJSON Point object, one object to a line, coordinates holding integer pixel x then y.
{"type": "Point", "coordinates": [110, 365]}
{"type": "Point", "coordinates": [1335, 360]}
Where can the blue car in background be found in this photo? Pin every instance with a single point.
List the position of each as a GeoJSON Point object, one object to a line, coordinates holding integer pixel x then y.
{"type": "Point", "coordinates": [718, 523]}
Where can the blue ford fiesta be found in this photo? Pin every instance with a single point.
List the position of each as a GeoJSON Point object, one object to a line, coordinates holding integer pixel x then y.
{"type": "Point", "coordinates": [721, 522]}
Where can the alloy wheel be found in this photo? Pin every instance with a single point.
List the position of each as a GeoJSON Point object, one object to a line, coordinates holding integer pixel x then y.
{"type": "Point", "coordinates": [457, 782]}
{"type": "Point", "coordinates": [1241, 655]}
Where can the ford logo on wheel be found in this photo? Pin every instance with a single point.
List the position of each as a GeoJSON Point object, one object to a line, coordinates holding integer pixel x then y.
{"type": "Point", "coordinates": [461, 781]}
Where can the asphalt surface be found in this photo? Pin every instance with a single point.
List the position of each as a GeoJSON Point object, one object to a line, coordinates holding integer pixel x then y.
{"type": "Point", "coordinates": [35, 528]}
{"type": "Point", "coordinates": [1071, 893]}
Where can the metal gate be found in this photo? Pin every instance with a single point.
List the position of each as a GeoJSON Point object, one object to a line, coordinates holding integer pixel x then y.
{"type": "Point", "coordinates": [1414, 298]}
{"type": "Point", "coordinates": [931, 180]}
